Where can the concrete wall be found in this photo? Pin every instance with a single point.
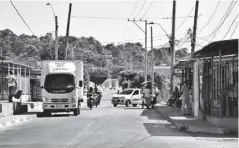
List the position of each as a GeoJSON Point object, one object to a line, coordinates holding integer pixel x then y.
{"type": "Point", "coordinates": [6, 109]}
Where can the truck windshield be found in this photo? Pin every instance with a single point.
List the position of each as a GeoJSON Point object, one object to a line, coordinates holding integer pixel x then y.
{"type": "Point", "coordinates": [62, 82]}
{"type": "Point", "coordinates": [126, 92]}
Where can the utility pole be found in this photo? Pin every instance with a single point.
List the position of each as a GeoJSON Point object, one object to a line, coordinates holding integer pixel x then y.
{"type": "Point", "coordinates": [56, 39]}
{"type": "Point", "coordinates": [172, 47]}
{"type": "Point", "coordinates": [152, 60]}
{"type": "Point", "coordinates": [194, 29]}
{"type": "Point", "coordinates": [196, 81]}
{"type": "Point", "coordinates": [130, 60]}
{"type": "Point", "coordinates": [67, 31]}
{"type": "Point", "coordinates": [146, 53]}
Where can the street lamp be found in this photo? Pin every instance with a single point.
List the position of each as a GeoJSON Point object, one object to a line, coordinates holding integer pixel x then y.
{"type": "Point", "coordinates": [152, 23]}
{"type": "Point", "coordinates": [56, 32]}
{"type": "Point", "coordinates": [49, 4]}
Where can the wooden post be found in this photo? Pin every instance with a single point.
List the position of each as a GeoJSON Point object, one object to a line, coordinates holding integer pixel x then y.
{"type": "Point", "coordinates": [212, 83]}
{"type": "Point", "coordinates": [29, 89]}
{"type": "Point", "coordinates": [20, 79]}
{"type": "Point", "coordinates": [220, 83]}
{"type": "Point", "coordinates": [25, 77]}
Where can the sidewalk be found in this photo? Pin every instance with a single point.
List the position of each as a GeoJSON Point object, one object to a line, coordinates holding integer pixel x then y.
{"type": "Point", "coordinates": [189, 123]}
{"type": "Point", "coordinates": [15, 119]}
{"type": "Point", "coordinates": [12, 120]}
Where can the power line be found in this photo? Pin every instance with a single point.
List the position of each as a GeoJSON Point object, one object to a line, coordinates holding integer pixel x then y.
{"type": "Point", "coordinates": [234, 31]}
{"type": "Point", "coordinates": [141, 8]}
{"type": "Point", "coordinates": [134, 8]}
{"type": "Point", "coordinates": [147, 9]}
{"type": "Point", "coordinates": [124, 18]}
{"type": "Point", "coordinates": [22, 18]}
{"type": "Point", "coordinates": [185, 18]}
{"type": "Point", "coordinates": [230, 27]}
{"type": "Point", "coordinates": [162, 37]}
{"type": "Point", "coordinates": [211, 34]}
{"type": "Point", "coordinates": [224, 20]}
{"type": "Point", "coordinates": [210, 17]}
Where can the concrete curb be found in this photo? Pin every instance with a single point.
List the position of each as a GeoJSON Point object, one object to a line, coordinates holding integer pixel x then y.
{"type": "Point", "coordinates": [193, 129]}
{"type": "Point", "coordinates": [17, 121]}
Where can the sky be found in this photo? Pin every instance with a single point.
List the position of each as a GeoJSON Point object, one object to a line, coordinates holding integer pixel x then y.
{"type": "Point", "coordinates": [40, 19]}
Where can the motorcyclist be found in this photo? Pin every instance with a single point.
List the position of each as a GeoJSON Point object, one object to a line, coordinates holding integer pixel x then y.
{"type": "Point", "coordinates": [90, 93]}
{"type": "Point", "coordinates": [98, 95]}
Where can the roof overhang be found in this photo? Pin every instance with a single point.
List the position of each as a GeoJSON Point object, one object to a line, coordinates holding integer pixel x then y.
{"type": "Point", "coordinates": [182, 64]}
{"type": "Point", "coordinates": [227, 47]}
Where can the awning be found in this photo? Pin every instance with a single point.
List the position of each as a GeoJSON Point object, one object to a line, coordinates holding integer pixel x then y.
{"type": "Point", "coordinates": [228, 47]}
{"type": "Point", "coordinates": [184, 64]}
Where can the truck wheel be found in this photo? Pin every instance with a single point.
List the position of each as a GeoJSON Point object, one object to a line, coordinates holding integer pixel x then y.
{"type": "Point", "coordinates": [76, 112]}
{"type": "Point", "coordinates": [46, 113]}
{"type": "Point", "coordinates": [115, 105]}
{"type": "Point", "coordinates": [134, 105]}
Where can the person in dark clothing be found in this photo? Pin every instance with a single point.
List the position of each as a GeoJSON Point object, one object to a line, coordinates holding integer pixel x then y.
{"type": "Point", "coordinates": [177, 94]}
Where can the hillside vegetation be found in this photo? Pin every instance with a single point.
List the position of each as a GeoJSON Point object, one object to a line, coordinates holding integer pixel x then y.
{"type": "Point", "coordinates": [115, 58]}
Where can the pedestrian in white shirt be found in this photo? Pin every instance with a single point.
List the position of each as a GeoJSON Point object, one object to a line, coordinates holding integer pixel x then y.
{"type": "Point", "coordinates": [11, 79]}
{"type": "Point", "coordinates": [147, 94]}
{"type": "Point", "coordinates": [185, 100]}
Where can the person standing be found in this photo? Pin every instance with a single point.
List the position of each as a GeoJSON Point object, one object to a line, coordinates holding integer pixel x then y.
{"type": "Point", "coordinates": [12, 84]}
{"type": "Point", "coordinates": [185, 95]}
{"type": "Point", "coordinates": [147, 95]}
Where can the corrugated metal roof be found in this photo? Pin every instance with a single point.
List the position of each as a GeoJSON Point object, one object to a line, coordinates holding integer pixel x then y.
{"type": "Point", "coordinates": [228, 47]}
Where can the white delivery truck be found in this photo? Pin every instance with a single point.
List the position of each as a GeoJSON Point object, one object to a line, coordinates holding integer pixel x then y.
{"type": "Point", "coordinates": [62, 86]}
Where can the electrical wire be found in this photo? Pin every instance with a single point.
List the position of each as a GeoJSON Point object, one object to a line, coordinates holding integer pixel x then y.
{"type": "Point", "coordinates": [148, 9]}
{"type": "Point", "coordinates": [141, 8]}
{"type": "Point", "coordinates": [185, 19]}
{"type": "Point", "coordinates": [124, 18]}
{"type": "Point", "coordinates": [22, 18]}
{"type": "Point", "coordinates": [234, 31]}
{"type": "Point", "coordinates": [230, 27]}
{"type": "Point", "coordinates": [222, 20]}
{"type": "Point", "coordinates": [210, 17]}
{"type": "Point", "coordinates": [210, 35]}
{"type": "Point", "coordinates": [134, 8]}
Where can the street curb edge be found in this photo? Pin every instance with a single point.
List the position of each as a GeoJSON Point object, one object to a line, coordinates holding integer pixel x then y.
{"type": "Point", "coordinates": [17, 121]}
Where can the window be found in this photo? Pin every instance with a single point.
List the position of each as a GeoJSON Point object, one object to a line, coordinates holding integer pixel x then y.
{"type": "Point", "coordinates": [126, 92]}
{"type": "Point", "coordinates": [55, 82]}
{"type": "Point", "coordinates": [136, 92]}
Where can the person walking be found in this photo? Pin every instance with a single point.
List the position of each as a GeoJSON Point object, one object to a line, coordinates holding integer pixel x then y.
{"type": "Point", "coordinates": [12, 84]}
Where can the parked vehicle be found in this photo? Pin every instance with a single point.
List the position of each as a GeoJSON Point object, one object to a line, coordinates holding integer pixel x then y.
{"type": "Point", "coordinates": [62, 86]}
{"type": "Point", "coordinates": [128, 96]}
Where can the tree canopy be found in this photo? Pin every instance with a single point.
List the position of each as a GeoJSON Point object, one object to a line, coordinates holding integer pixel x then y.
{"type": "Point", "coordinates": [110, 57]}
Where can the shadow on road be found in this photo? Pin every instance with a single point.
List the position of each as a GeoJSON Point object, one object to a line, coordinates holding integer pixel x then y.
{"type": "Point", "coordinates": [41, 115]}
{"type": "Point", "coordinates": [157, 125]}
{"type": "Point", "coordinates": [140, 108]}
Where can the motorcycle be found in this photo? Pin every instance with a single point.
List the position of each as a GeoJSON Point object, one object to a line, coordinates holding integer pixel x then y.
{"type": "Point", "coordinates": [90, 101]}
{"type": "Point", "coordinates": [149, 102]}
{"type": "Point", "coordinates": [98, 98]}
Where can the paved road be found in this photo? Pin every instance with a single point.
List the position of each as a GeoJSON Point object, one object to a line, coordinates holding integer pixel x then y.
{"type": "Point", "coordinates": [106, 127]}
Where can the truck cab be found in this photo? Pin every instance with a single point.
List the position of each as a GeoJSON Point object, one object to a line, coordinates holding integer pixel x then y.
{"type": "Point", "coordinates": [62, 86]}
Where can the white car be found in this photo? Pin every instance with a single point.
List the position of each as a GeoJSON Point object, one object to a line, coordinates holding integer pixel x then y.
{"type": "Point", "coordinates": [128, 96]}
